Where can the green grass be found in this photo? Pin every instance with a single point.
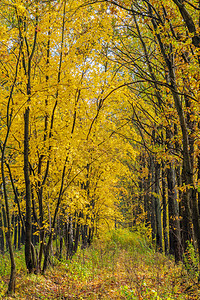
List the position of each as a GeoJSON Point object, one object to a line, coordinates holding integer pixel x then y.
{"type": "Point", "coordinates": [5, 262]}
{"type": "Point", "coordinates": [119, 265]}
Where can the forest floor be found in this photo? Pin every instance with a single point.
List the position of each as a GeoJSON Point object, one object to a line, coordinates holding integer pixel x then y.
{"type": "Point", "coordinates": [121, 267]}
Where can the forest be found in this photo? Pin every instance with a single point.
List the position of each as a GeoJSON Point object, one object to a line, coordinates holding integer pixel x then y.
{"type": "Point", "coordinates": [100, 148]}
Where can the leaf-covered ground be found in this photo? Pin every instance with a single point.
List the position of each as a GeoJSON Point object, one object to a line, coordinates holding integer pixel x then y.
{"type": "Point", "coordinates": [119, 267]}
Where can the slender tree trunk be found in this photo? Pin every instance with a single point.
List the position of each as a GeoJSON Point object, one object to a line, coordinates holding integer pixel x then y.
{"type": "Point", "coordinates": [69, 233]}
{"type": "Point", "coordinates": [15, 231]}
{"type": "Point", "coordinates": [198, 178]}
{"type": "Point", "coordinates": [186, 222]}
{"type": "Point", "coordinates": [90, 235]}
{"type": "Point", "coordinates": [61, 235]}
{"type": "Point", "coordinates": [11, 285]}
{"type": "Point", "coordinates": [84, 232]}
{"type": "Point", "coordinates": [147, 196]}
{"type": "Point", "coordinates": [165, 211]}
{"type": "Point", "coordinates": [22, 235]}
{"type": "Point", "coordinates": [19, 234]}
{"type": "Point", "coordinates": [76, 235]}
{"type": "Point", "coordinates": [1, 233]}
{"type": "Point", "coordinates": [174, 220]}
{"type": "Point", "coordinates": [158, 208]}
{"type": "Point", "coordinates": [28, 224]}
{"type": "Point", "coordinates": [153, 216]}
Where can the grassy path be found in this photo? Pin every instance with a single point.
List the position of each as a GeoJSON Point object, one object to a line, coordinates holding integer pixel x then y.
{"type": "Point", "coordinates": [122, 267]}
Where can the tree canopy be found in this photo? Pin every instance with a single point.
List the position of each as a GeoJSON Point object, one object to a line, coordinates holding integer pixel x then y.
{"type": "Point", "coordinates": [99, 121]}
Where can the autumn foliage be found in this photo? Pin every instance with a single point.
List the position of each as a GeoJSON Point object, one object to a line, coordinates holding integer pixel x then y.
{"type": "Point", "coordinates": [99, 119]}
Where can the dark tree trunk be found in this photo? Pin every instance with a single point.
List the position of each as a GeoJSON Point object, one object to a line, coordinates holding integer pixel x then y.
{"type": "Point", "coordinates": [61, 247]}
{"type": "Point", "coordinates": [22, 235]}
{"type": "Point", "coordinates": [186, 222]}
{"type": "Point", "coordinates": [198, 167]}
{"type": "Point", "coordinates": [158, 208]}
{"type": "Point", "coordinates": [165, 212]}
{"type": "Point", "coordinates": [153, 215]}
{"type": "Point", "coordinates": [5, 225]}
{"type": "Point", "coordinates": [90, 235]}
{"type": "Point", "coordinates": [19, 234]}
{"type": "Point", "coordinates": [174, 220]}
{"type": "Point", "coordinates": [69, 238]}
{"type": "Point", "coordinates": [28, 224]}
{"type": "Point", "coordinates": [76, 236]}
{"type": "Point", "coordinates": [61, 233]}
{"type": "Point", "coordinates": [11, 285]}
{"type": "Point", "coordinates": [84, 234]}
{"type": "Point", "coordinates": [147, 198]}
{"type": "Point", "coordinates": [1, 233]}
{"type": "Point", "coordinates": [15, 231]}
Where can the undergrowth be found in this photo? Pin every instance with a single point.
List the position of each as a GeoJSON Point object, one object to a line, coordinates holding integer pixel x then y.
{"type": "Point", "coordinates": [119, 265]}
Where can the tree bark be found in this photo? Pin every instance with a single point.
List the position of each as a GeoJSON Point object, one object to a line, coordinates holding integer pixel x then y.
{"type": "Point", "coordinates": [1, 233]}
{"type": "Point", "coordinates": [174, 221]}
{"type": "Point", "coordinates": [153, 216]}
{"type": "Point", "coordinates": [165, 211]}
{"type": "Point", "coordinates": [11, 285]}
{"type": "Point", "coordinates": [28, 223]}
{"type": "Point", "coordinates": [158, 208]}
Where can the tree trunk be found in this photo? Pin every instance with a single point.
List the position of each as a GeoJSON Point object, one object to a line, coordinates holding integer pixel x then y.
{"type": "Point", "coordinates": [69, 233]}
{"type": "Point", "coordinates": [1, 233]}
{"type": "Point", "coordinates": [76, 235]}
{"type": "Point", "coordinates": [19, 234]}
{"type": "Point", "coordinates": [153, 216]}
{"type": "Point", "coordinates": [174, 221]}
{"type": "Point", "coordinates": [158, 208]}
{"type": "Point", "coordinates": [28, 224]}
{"type": "Point", "coordinates": [11, 285]}
{"type": "Point", "coordinates": [15, 231]}
{"type": "Point", "coordinates": [84, 233]}
{"type": "Point", "coordinates": [165, 211]}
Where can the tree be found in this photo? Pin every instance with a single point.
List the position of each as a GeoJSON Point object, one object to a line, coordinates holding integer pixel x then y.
{"type": "Point", "coordinates": [152, 23]}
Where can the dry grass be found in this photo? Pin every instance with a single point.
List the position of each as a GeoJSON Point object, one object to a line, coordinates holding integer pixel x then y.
{"type": "Point", "coordinates": [110, 270]}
